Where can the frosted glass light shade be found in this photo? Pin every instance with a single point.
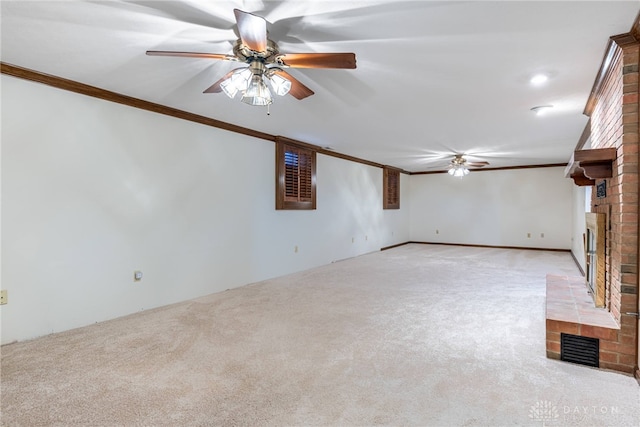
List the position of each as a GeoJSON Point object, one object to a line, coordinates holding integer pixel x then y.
{"type": "Point", "coordinates": [280, 85]}
{"type": "Point", "coordinates": [241, 79]}
{"type": "Point", "coordinates": [237, 82]}
{"type": "Point", "coordinates": [257, 93]}
{"type": "Point", "coordinates": [229, 88]}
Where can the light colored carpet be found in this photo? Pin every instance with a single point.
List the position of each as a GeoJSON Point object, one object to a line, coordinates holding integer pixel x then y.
{"type": "Point", "coordinates": [417, 335]}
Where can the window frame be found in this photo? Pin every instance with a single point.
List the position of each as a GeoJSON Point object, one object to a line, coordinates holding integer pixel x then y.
{"type": "Point", "coordinates": [284, 146]}
{"type": "Point", "coordinates": [390, 188]}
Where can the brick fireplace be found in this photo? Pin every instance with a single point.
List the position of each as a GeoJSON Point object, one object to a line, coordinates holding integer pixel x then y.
{"type": "Point", "coordinates": [607, 159]}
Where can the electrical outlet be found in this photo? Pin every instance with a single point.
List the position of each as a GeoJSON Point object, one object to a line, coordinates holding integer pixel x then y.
{"type": "Point", "coordinates": [3, 297]}
{"type": "Point", "coordinates": [528, 235]}
{"type": "Point", "coordinates": [542, 235]}
{"type": "Point", "coordinates": [137, 276]}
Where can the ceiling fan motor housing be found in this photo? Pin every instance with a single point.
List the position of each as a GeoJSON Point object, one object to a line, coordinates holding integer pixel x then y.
{"type": "Point", "coordinates": [458, 160]}
{"type": "Point", "coordinates": [247, 55]}
{"type": "Point", "coordinates": [257, 67]}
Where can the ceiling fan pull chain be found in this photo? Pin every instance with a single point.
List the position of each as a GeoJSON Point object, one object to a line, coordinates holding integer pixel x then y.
{"type": "Point", "coordinates": [268, 113]}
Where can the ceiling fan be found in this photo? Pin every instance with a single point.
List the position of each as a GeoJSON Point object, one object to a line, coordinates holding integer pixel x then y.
{"type": "Point", "coordinates": [266, 64]}
{"type": "Point", "coordinates": [459, 166]}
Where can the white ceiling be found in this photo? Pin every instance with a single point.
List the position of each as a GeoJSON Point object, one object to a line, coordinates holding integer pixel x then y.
{"type": "Point", "coordinates": [432, 77]}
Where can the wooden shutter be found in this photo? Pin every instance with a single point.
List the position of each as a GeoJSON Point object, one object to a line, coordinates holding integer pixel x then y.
{"type": "Point", "coordinates": [391, 189]}
{"type": "Point", "coordinates": [295, 177]}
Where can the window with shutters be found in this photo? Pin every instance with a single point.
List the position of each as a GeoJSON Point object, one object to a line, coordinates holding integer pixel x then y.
{"type": "Point", "coordinates": [391, 189]}
{"type": "Point", "coordinates": [295, 176]}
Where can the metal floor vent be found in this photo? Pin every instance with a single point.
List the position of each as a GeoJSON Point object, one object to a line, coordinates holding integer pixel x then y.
{"type": "Point", "coordinates": [582, 350]}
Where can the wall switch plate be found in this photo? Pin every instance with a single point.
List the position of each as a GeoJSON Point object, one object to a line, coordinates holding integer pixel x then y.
{"type": "Point", "coordinates": [4, 298]}
{"type": "Point", "coordinates": [137, 276]}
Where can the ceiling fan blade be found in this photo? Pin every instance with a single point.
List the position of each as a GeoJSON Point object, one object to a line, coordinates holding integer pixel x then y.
{"type": "Point", "coordinates": [191, 54]}
{"type": "Point", "coordinates": [298, 90]}
{"type": "Point", "coordinates": [216, 88]}
{"type": "Point", "coordinates": [477, 164]}
{"type": "Point", "coordinates": [252, 29]}
{"type": "Point", "coordinates": [318, 60]}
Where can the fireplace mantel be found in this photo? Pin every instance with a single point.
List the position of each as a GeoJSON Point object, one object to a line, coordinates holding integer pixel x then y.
{"type": "Point", "coordinates": [588, 165]}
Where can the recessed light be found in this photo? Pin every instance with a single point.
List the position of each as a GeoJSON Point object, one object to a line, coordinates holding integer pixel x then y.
{"type": "Point", "coordinates": [538, 79]}
{"type": "Point", "coordinates": [541, 109]}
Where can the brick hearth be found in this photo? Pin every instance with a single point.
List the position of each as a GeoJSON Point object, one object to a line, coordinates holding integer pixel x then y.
{"type": "Point", "coordinates": [570, 309]}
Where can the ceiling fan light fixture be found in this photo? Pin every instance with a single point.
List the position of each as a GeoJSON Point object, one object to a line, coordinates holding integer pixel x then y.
{"type": "Point", "coordinates": [458, 171]}
{"type": "Point", "coordinates": [254, 48]}
{"type": "Point", "coordinates": [458, 167]}
{"type": "Point", "coordinates": [257, 93]}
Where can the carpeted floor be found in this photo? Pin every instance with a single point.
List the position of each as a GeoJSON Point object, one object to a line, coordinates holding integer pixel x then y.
{"type": "Point", "coordinates": [417, 335]}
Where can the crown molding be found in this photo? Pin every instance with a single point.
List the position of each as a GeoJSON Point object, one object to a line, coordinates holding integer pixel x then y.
{"type": "Point", "coordinates": [328, 152]}
{"type": "Point", "coordinates": [614, 49]}
{"type": "Point", "coordinates": [95, 92]}
{"type": "Point", "coordinates": [546, 165]}
{"type": "Point", "coordinates": [611, 55]}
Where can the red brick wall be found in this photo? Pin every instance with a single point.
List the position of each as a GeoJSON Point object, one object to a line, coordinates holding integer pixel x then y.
{"type": "Point", "coordinates": [614, 123]}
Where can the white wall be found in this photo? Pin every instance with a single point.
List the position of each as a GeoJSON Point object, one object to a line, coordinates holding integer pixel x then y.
{"type": "Point", "coordinates": [496, 208]}
{"type": "Point", "coordinates": [92, 191]}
